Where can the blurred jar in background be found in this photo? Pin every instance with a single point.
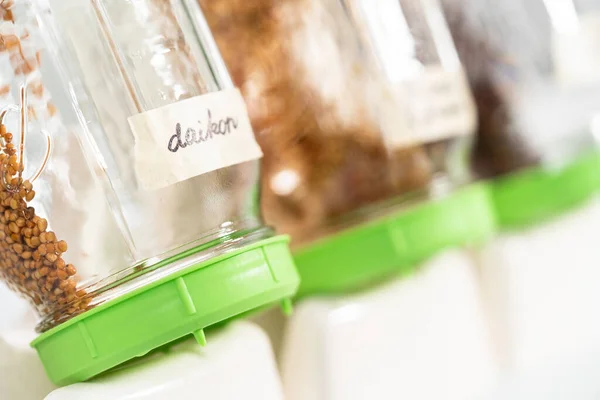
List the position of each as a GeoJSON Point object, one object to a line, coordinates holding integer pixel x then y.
{"type": "Point", "coordinates": [535, 72]}
{"type": "Point", "coordinates": [351, 113]}
{"type": "Point", "coordinates": [365, 118]}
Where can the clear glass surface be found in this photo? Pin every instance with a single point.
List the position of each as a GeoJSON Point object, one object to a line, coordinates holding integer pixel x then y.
{"type": "Point", "coordinates": [93, 64]}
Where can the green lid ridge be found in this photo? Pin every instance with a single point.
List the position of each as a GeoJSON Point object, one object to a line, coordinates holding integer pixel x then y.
{"type": "Point", "coordinates": [180, 304]}
{"type": "Point", "coordinates": [366, 254]}
{"type": "Point", "coordinates": [538, 194]}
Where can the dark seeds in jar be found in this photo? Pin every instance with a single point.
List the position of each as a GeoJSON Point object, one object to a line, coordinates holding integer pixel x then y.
{"type": "Point", "coordinates": [499, 147]}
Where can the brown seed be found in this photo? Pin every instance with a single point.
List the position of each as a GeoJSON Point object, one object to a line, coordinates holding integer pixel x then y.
{"type": "Point", "coordinates": [62, 275]}
{"type": "Point", "coordinates": [60, 264]}
{"type": "Point", "coordinates": [13, 227]}
{"type": "Point", "coordinates": [14, 204]}
{"type": "Point", "coordinates": [51, 257]}
{"type": "Point", "coordinates": [29, 214]}
{"type": "Point", "coordinates": [26, 255]}
{"type": "Point", "coordinates": [50, 248]}
{"type": "Point", "coordinates": [71, 287]}
{"type": "Point", "coordinates": [51, 237]}
{"type": "Point", "coordinates": [35, 241]}
{"type": "Point", "coordinates": [30, 195]}
{"type": "Point", "coordinates": [18, 248]}
{"type": "Point", "coordinates": [44, 271]}
{"type": "Point", "coordinates": [62, 246]}
{"type": "Point", "coordinates": [71, 270]}
{"type": "Point", "coordinates": [42, 250]}
{"type": "Point", "coordinates": [42, 224]}
{"type": "Point", "coordinates": [44, 237]}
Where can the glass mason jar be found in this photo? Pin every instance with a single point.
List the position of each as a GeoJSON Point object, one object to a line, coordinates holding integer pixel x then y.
{"type": "Point", "coordinates": [534, 70]}
{"type": "Point", "coordinates": [125, 146]}
{"type": "Point", "coordinates": [359, 105]}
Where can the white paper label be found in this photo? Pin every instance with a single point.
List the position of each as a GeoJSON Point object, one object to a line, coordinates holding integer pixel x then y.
{"type": "Point", "coordinates": [192, 137]}
{"type": "Point", "coordinates": [437, 105]}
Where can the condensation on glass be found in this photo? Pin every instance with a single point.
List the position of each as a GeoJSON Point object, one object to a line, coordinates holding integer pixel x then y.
{"type": "Point", "coordinates": [534, 70]}
{"type": "Point", "coordinates": [359, 105]}
{"type": "Point", "coordinates": [81, 69]}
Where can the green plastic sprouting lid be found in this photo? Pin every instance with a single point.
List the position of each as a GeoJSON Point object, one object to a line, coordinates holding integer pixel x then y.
{"type": "Point", "coordinates": [159, 313]}
{"type": "Point", "coordinates": [363, 255]}
{"type": "Point", "coordinates": [538, 194]}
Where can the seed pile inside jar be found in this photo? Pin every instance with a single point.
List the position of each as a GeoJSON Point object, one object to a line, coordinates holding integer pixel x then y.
{"type": "Point", "coordinates": [31, 256]}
